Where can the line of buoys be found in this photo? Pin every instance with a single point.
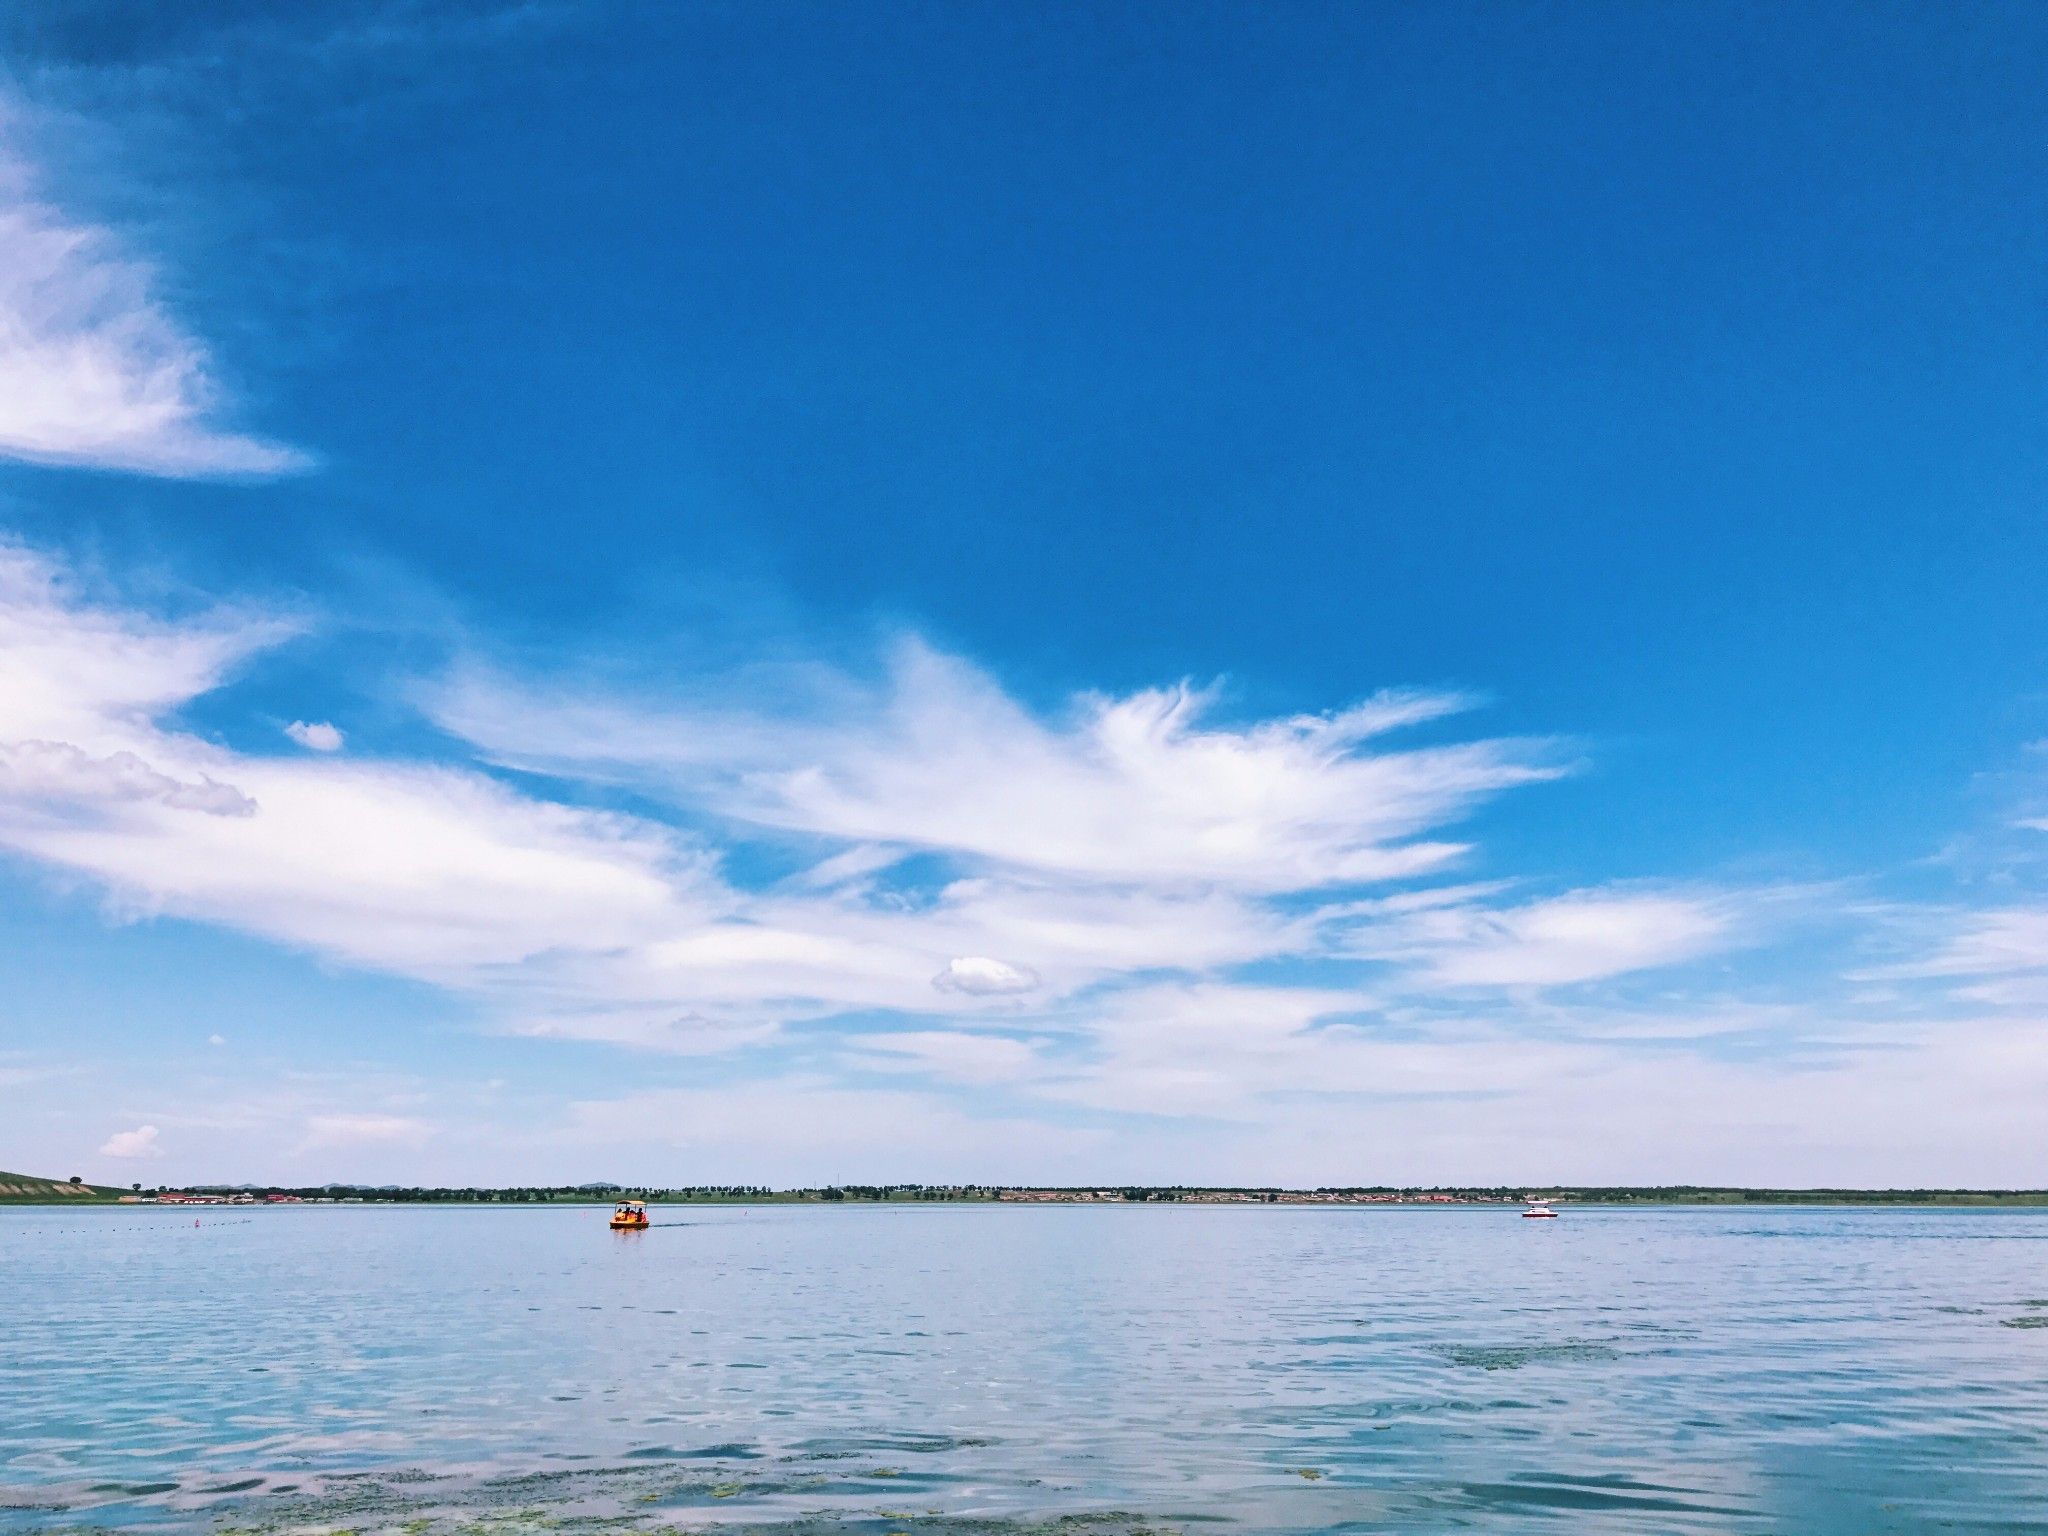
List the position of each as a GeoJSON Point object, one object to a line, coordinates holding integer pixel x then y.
{"type": "Point", "coordinates": [235, 1221]}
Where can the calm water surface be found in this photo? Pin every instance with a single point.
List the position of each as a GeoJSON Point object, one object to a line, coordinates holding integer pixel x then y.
{"type": "Point", "coordinates": [867, 1368]}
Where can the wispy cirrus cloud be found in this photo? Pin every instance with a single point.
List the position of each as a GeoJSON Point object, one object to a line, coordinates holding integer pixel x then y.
{"type": "Point", "coordinates": [412, 867]}
{"type": "Point", "coordinates": [584, 922]}
{"type": "Point", "coordinates": [96, 370]}
{"type": "Point", "coordinates": [794, 1126]}
{"type": "Point", "coordinates": [324, 1132]}
{"type": "Point", "coordinates": [1580, 936]}
{"type": "Point", "coordinates": [937, 756]}
{"type": "Point", "coordinates": [952, 1055]}
{"type": "Point", "coordinates": [448, 873]}
{"type": "Point", "coordinates": [1066, 987]}
{"type": "Point", "coordinates": [1999, 942]}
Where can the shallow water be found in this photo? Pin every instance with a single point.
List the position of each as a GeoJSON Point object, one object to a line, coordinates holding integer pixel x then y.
{"type": "Point", "coordinates": [958, 1368]}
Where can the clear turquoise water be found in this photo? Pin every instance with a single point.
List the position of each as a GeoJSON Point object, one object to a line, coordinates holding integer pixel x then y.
{"type": "Point", "coordinates": [1644, 1370]}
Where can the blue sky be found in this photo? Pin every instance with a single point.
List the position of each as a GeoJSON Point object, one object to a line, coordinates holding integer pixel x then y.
{"type": "Point", "coordinates": [1074, 592]}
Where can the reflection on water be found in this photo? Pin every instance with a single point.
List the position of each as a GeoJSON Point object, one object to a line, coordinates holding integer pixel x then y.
{"type": "Point", "coordinates": [946, 1369]}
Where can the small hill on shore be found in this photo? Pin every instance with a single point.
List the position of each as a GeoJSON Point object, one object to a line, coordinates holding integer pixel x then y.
{"type": "Point", "coordinates": [23, 1188]}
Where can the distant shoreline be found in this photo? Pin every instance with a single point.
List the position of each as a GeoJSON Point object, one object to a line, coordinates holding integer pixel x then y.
{"type": "Point", "coordinates": [13, 1193]}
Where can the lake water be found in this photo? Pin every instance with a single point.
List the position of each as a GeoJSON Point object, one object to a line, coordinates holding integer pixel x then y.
{"type": "Point", "coordinates": [908, 1368]}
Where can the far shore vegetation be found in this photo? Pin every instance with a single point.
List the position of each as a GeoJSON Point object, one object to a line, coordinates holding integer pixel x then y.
{"type": "Point", "coordinates": [28, 1189]}
{"type": "Point", "coordinates": [20, 1189]}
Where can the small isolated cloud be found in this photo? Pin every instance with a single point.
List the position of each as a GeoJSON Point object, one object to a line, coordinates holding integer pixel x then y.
{"type": "Point", "coordinates": [140, 1142]}
{"type": "Point", "coordinates": [216, 1039]}
{"type": "Point", "coordinates": [979, 976]}
{"type": "Point", "coordinates": [315, 735]}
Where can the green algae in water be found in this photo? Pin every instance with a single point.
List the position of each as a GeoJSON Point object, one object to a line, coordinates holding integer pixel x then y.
{"type": "Point", "coordinates": [611, 1501]}
{"type": "Point", "coordinates": [1512, 1357]}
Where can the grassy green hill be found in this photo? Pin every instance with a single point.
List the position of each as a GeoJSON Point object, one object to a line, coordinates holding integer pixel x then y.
{"type": "Point", "coordinates": [25, 1189]}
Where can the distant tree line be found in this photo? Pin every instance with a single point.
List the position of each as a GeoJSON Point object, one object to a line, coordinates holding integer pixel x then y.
{"type": "Point", "coordinates": [1665, 1194]}
{"type": "Point", "coordinates": [901, 1192]}
{"type": "Point", "coordinates": [543, 1194]}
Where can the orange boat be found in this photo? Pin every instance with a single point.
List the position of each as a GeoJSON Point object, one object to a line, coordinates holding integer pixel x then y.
{"type": "Point", "coordinates": [629, 1216]}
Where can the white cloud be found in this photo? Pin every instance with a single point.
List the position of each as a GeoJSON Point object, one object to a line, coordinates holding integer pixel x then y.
{"type": "Point", "coordinates": [1955, 1103]}
{"type": "Point", "coordinates": [1136, 788]}
{"type": "Point", "coordinates": [56, 771]}
{"type": "Point", "coordinates": [1261, 1084]}
{"type": "Point", "coordinates": [357, 1130]}
{"type": "Point", "coordinates": [1187, 1084]}
{"type": "Point", "coordinates": [980, 976]}
{"type": "Point", "coordinates": [867, 954]}
{"type": "Point", "coordinates": [140, 1142]}
{"type": "Point", "coordinates": [427, 871]}
{"type": "Point", "coordinates": [94, 368]}
{"type": "Point", "coordinates": [810, 1130]}
{"type": "Point", "coordinates": [949, 1054]}
{"type": "Point", "coordinates": [574, 922]}
{"type": "Point", "coordinates": [676, 1032]}
{"type": "Point", "coordinates": [317, 736]}
{"type": "Point", "coordinates": [1220, 1049]}
{"type": "Point", "coordinates": [1116, 975]}
{"type": "Point", "coordinates": [97, 674]}
{"type": "Point", "coordinates": [1580, 936]}
{"type": "Point", "coordinates": [216, 1039]}
{"type": "Point", "coordinates": [1999, 942]}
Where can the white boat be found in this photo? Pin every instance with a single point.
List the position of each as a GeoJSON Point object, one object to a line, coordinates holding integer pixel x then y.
{"type": "Point", "coordinates": [1540, 1210]}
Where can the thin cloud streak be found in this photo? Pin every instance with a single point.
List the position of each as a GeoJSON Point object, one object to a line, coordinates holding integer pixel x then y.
{"type": "Point", "coordinates": [1580, 936]}
{"type": "Point", "coordinates": [95, 370]}
{"type": "Point", "coordinates": [585, 923]}
{"type": "Point", "coordinates": [1004, 1002]}
{"type": "Point", "coordinates": [938, 757]}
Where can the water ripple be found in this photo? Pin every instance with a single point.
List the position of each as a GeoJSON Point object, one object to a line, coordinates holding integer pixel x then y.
{"type": "Point", "coordinates": [402, 1369]}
